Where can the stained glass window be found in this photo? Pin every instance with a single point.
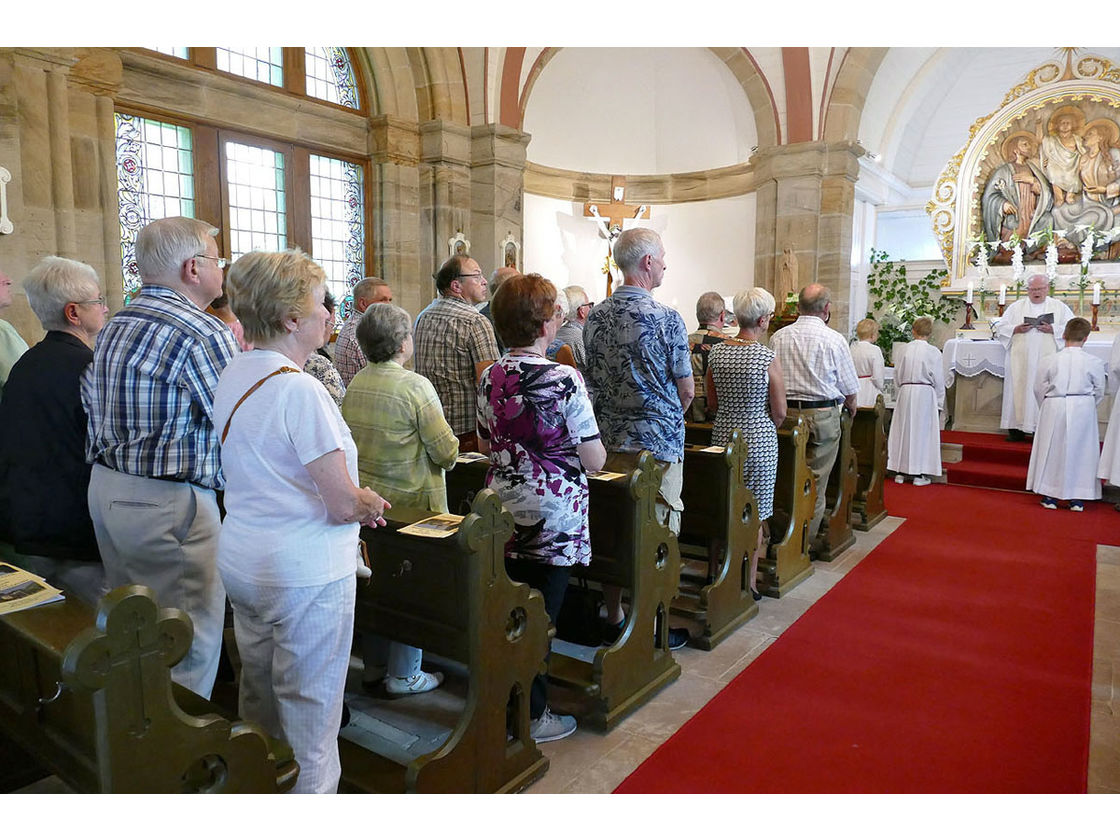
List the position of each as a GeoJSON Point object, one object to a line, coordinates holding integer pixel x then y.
{"type": "Point", "coordinates": [155, 179]}
{"type": "Point", "coordinates": [258, 218]}
{"type": "Point", "coordinates": [265, 64]}
{"type": "Point", "coordinates": [178, 52]}
{"type": "Point", "coordinates": [337, 229]}
{"type": "Point", "coordinates": [330, 76]}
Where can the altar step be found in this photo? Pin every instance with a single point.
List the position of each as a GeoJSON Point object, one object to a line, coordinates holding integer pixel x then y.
{"type": "Point", "coordinates": [986, 460]}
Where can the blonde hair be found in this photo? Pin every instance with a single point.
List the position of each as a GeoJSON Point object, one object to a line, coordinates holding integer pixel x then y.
{"type": "Point", "coordinates": [266, 287]}
{"type": "Point", "coordinates": [867, 329]}
{"type": "Point", "coordinates": [923, 327]}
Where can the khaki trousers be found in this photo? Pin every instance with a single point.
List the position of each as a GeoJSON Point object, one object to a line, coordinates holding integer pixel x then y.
{"type": "Point", "coordinates": [820, 453]}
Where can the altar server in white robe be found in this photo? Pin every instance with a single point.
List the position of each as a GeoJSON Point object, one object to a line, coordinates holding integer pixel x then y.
{"type": "Point", "coordinates": [1065, 451]}
{"type": "Point", "coordinates": [914, 443]}
{"type": "Point", "coordinates": [868, 359]}
{"type": "Point", "coordinates": [1027, 345]}
{"type": "Point", "coordinates": [1109, 468]}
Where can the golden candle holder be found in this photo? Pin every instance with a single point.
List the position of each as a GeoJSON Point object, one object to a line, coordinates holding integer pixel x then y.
{"type": "Point", "coordinates": [1095, 307]}
{"type": "Point", "coordinates": [1002, 307]}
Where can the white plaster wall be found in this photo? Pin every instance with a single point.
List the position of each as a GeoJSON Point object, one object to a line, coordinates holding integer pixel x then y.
{"type": "Point", "coordinates": [709, 246]}
{"type": "Point", "coordinates": [636, 111]}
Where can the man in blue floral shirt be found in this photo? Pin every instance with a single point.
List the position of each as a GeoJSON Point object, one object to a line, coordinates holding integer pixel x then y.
{"type": "Point", "coordinates": [640, 375]}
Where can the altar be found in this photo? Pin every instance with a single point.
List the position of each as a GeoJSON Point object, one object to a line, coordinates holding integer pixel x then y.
{"type": "Point", "coordinates": [974, 372]}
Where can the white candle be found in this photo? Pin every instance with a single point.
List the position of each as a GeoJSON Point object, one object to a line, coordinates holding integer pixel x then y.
{"type": "Point", "coordinates": [1097, 293]}
{"type": "Point", "coordinates": [968, 294]}
{"type": "Point", "coordinates": [1002, 294]}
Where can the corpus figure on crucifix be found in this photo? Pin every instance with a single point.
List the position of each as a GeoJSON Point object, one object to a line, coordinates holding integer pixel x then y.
{"type": "Point", "coordinates": [609, 217]}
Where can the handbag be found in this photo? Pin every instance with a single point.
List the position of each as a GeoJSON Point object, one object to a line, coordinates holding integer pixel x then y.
{"type": "Point", "coordinates": [578, 621]}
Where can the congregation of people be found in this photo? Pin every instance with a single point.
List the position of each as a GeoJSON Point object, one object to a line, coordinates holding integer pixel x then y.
{"type": "Point", "coordinates": [206, 442]}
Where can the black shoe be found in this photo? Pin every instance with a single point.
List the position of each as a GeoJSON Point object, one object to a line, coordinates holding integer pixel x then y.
{"type": "Point", "coordinates": [1015, 436]}
{"type": "Point", "coordinates": [756, 595]}
{"type": "Point", "coordinates": [345, 716]}
{"type": "Point", "coordinates": [611, 632]}
{"type": "Point", "coordinates": [678, 638]}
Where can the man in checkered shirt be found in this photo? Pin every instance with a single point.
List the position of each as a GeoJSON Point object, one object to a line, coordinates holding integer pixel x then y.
{"type": "Point", "coordinates": [455, 344]}
{"type": "Point", "coordinates": [149, 397]}
{"type": "Point", "coordinates": [348, 355]}
{"type": "Point", "coordinates": [820, 377]}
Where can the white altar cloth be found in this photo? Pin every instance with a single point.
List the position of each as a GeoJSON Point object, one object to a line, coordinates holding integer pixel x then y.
{"type": "Point", "coordinates": [973, 357]}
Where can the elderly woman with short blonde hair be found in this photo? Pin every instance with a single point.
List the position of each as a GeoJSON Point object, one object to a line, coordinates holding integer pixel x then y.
{"type": "Point", "coordinates": [746, 391]}
{"type": "Point", "coordinates": [288, 544]}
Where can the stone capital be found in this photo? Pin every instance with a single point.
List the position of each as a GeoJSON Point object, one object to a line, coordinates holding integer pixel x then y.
{"type": "Point", "coordinates": [394, 140]}
{"type": "Point", "coordinates": [498, 145]}
{"type": "Point", "coordinates": [445, 142]}
{"type": "Point", "coordinates": [817, 159]}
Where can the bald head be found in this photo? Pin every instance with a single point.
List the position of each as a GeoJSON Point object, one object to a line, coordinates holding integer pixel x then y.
{"type": "Point", "coordinates": [814, 300]}
{"type": "Point", "coordinates": [500, 276]}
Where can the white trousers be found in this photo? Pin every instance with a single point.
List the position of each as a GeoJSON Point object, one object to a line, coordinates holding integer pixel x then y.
{"type": "Point", "coordinates": [295, 650]}
{"type": "Point", "coordinates": [164, 535]}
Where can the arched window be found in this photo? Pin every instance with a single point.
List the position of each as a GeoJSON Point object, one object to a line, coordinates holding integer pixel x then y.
{"type": "Point", "coordinates": [329, 75]}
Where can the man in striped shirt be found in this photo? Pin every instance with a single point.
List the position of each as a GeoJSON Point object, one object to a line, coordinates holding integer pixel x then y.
{"type": "Point", "coordinates": [820, 378]}
{"type": "Point", "coordinates": [149, 396]}
{"type": "Point", "coordinates": [348, 355]}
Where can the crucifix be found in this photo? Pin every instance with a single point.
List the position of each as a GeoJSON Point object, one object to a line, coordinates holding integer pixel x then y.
{"type": "Point", "coordinates": [609, 216]}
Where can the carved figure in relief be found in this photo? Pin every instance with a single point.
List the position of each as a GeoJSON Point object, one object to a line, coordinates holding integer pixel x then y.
{"type": "Point", "coordinates": [1017, 198]}
{"type": "Point", "coordinates": [787, 277]}
{"type": "Point", "coordinates": [1099, 172]}
{"type": "Point", "coordinates": [1061, 154]}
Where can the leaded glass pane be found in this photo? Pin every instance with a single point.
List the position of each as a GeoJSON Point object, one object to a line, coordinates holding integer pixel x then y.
{"type": "Point", "coordinates": [264, 64]}
{"type": "Point", "coordinates": [338, 225]}
{"type": "Point", "coordinates": [155, 179]}
{"type": "Point", "coordinates": [178, 52]}
{"type": "Point", "coordinates": [329, 76]}
{"type": "Point", "coordinates": [257, 217]}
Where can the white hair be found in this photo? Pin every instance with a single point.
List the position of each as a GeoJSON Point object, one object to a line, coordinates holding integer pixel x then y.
{"type": "Point", "coordinates": [55, 282]}
{"type": "Point", "coordinates": [164, 245]}
{"type": "Point", "coordinates": [574, 298]}
{"type": "Point", "coordinates": [634, 244]}
{"type": "Point", "coordinates": [752, 305]}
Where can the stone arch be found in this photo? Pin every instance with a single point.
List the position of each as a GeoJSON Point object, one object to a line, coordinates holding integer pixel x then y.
{"type": "Point", "coordinates": [849, 94]}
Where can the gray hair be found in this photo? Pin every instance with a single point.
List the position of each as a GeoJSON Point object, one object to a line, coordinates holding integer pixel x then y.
{"type": "Point", "coordinates": [709, 306]}
{"type": "Point", "coordinates": [365, 287]}
{"type": "Point", "coordinates": [55, 282]}
{"type": "Point", "coordinates": [752, 305]}
{"type": "Point", "coordinates": [164, 245]}
{"type": "Point", "coordinates": [634, 244]}
{"type": "Point", "coordinates": [574, 298]}
{"type": "Point", "coordinates": [382, 330]}
{"type": "Point", "coordinates": [813, 299]}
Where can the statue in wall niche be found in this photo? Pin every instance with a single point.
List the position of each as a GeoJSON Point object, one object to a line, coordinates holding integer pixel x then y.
{"type": "Point", "coordinates": [787, 277]}
{"type": "Point", "coordinates": [1017, 198]}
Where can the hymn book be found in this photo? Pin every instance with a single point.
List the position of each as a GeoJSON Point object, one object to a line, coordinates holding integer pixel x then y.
{"type": "Point", "coordinates": [21, 590]}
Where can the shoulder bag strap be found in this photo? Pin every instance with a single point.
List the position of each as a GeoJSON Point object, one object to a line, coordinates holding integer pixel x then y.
{"type": "Point", "coordinates": [245, 396]}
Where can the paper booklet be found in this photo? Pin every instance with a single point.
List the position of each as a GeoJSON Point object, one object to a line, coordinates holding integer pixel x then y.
{"type": "Point", "coordinates": [20, 590]}
{"type": "Point", "coordinates": [601, 475]}
{"type": "Point", "coordinates": [1044, 318]}
{"type": "Point", "coordinates": [440, 525]}
{"type": "Point", "coordinates": [468, 457]}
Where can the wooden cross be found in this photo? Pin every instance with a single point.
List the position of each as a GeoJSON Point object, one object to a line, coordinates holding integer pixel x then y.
{"type": "Point", "coordinates": [610, 216]}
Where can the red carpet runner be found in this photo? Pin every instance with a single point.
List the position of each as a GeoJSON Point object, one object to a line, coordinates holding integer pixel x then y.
{"type": "Point", "coordinates": [949, 660]}
{"type": "Point", "coordinates": [988, 461]}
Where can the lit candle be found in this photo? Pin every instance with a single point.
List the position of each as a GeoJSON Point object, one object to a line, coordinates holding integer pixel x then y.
{"type": "Point", "coordinates": [968, 294]}
{"type": "Point", "coordinates": [1002, 294]}
{"type": "Point", "coordinates": [1097, 293]}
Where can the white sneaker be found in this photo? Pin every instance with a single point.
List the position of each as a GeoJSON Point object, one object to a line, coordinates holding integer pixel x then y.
{"type": "Point", "coordinates": [898, 479]}
{"type": "Point", "coordinates": [417, 684]}
{"type": "Point", "coordinates": [551, 727]}
{"type": "Point", "coordinates": [921, 481]}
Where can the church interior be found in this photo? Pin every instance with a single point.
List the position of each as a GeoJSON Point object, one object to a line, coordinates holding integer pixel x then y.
{"type": "Point", "coordinates": [762, 166]}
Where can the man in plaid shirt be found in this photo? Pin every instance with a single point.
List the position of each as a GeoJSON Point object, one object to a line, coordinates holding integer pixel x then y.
{"type": "Point", "coordinates": [149, 396]}
{"type": "Point", "coordinates": [348, 355]}
{"type": "Point", "coordinates": [455, 344]}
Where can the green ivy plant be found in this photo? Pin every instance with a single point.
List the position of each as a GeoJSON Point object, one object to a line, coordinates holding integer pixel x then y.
{"type": "Point", "coordinates": [896, 302]}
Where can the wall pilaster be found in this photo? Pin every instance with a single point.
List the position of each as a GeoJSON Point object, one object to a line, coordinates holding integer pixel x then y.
{"type": "Point", "coordinates": [498, 155]}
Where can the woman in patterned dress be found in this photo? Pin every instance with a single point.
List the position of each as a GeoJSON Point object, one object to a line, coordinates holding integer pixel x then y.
{"type": "Point", "coordinates": [744, 385]}
{"type": "Point", "coordinates": [536, 423]}
{"type": "Point", "coordinates": [319, 363]}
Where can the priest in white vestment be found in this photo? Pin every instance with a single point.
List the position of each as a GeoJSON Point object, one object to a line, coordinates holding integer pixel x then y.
{"type": "Point", "coordinates": [1027, 345]}
{"type": "Point", "coordinates": [1065, 452]}
{"type": "Point", "coordinates": [1109, 468]}
{"type": "Point", "coordinates": [868, 359]}
{"type": "Point", "coordinates": [914, 442]}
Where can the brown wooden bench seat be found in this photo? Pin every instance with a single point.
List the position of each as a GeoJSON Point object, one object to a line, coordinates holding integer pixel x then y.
{"type": "Point", "coordinates": [840, 495]}
{"type": "Point", "coordinates": [787, 561]}
{"type": "Point", "coordinates": [869, 440]}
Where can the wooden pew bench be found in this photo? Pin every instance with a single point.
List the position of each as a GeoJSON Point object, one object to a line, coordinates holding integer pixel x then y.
{"type": "Point", "coordinates": [632, 550]}
{"type": "Point", "coordinates": [94, 704]}
{"type": "Point", "coordinates": [451, 596]}
{"type": "Point", "coordinates": [717, 505]}
{"type": "Point", "coordinates": [839, 496]}
{"type": "Point", "coordinates": [869, 440]}
{"type": "Point", "coordinates": [787, 561]}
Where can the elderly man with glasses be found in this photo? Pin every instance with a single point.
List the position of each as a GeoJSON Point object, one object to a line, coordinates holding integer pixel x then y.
{"type": "Point", "coordinates": [577, 308]}
{"type": "Point", "coordinates": [455, 343]}
{"type": "Point", "coordinates": [149, 395]}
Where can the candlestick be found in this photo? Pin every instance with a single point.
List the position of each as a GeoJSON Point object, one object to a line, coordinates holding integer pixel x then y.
{"type": "Point", "coordinates": [968, 294]}
{"type": "Point", "coordinates": [967, 316]}
{"type": "Point", "coordinates": [1002, 306]}
{"type": "Point", "coordinates": [1096, 294]}
{"type": "Point", "coordinates": [1095, 328]}
{"type": "Point", "coordinates": [1002, 295]}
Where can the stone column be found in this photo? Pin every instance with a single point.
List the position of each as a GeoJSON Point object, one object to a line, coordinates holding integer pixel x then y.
{"type": "Point", "coordinates": [62, 170]}
{"type": "Point", "coordinates": [395, 196]}
{"type": "Point", "coordinates": [497, 183]}
{"type": "Point", "coordinates": [445, 193]}
{"type": "Point", "coordinates": [805, 199]}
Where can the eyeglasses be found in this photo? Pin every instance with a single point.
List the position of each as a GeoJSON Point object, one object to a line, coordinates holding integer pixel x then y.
{"type": "Point", "coordinates": [221, 261]}
{"type": "Point", "coordinates": [589, 303]}
{"type": "Point", "coordinates": [99, 301]}
{"type": "Point", "coordinates": [477, 276]}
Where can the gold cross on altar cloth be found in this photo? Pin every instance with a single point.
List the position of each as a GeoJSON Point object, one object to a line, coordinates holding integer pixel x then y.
{"type": "Point", "coordinates": [610, 216]}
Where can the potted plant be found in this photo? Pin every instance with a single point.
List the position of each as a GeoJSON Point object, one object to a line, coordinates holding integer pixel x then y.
{"type": "Point", "coordinates": [896, 302]}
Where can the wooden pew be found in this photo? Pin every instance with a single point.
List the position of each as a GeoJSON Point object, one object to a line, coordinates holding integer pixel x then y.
{"type": "Point", "coordinates": [451, 596]}
{"type": "Point", "coordinates": [840, 495]}
{"type": "Point", "coordinates": [630, 549]}
{"type": "Point", "coordinates": [869, 440]}
{"type": "Point", "coordinates": [96, 706]}
{"type": "Point", "coordinates": [697, 434]}
{"type": "Point", "coordinates": [787, 561]}
{"type": "Point", "coordinates": [717, 504]}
